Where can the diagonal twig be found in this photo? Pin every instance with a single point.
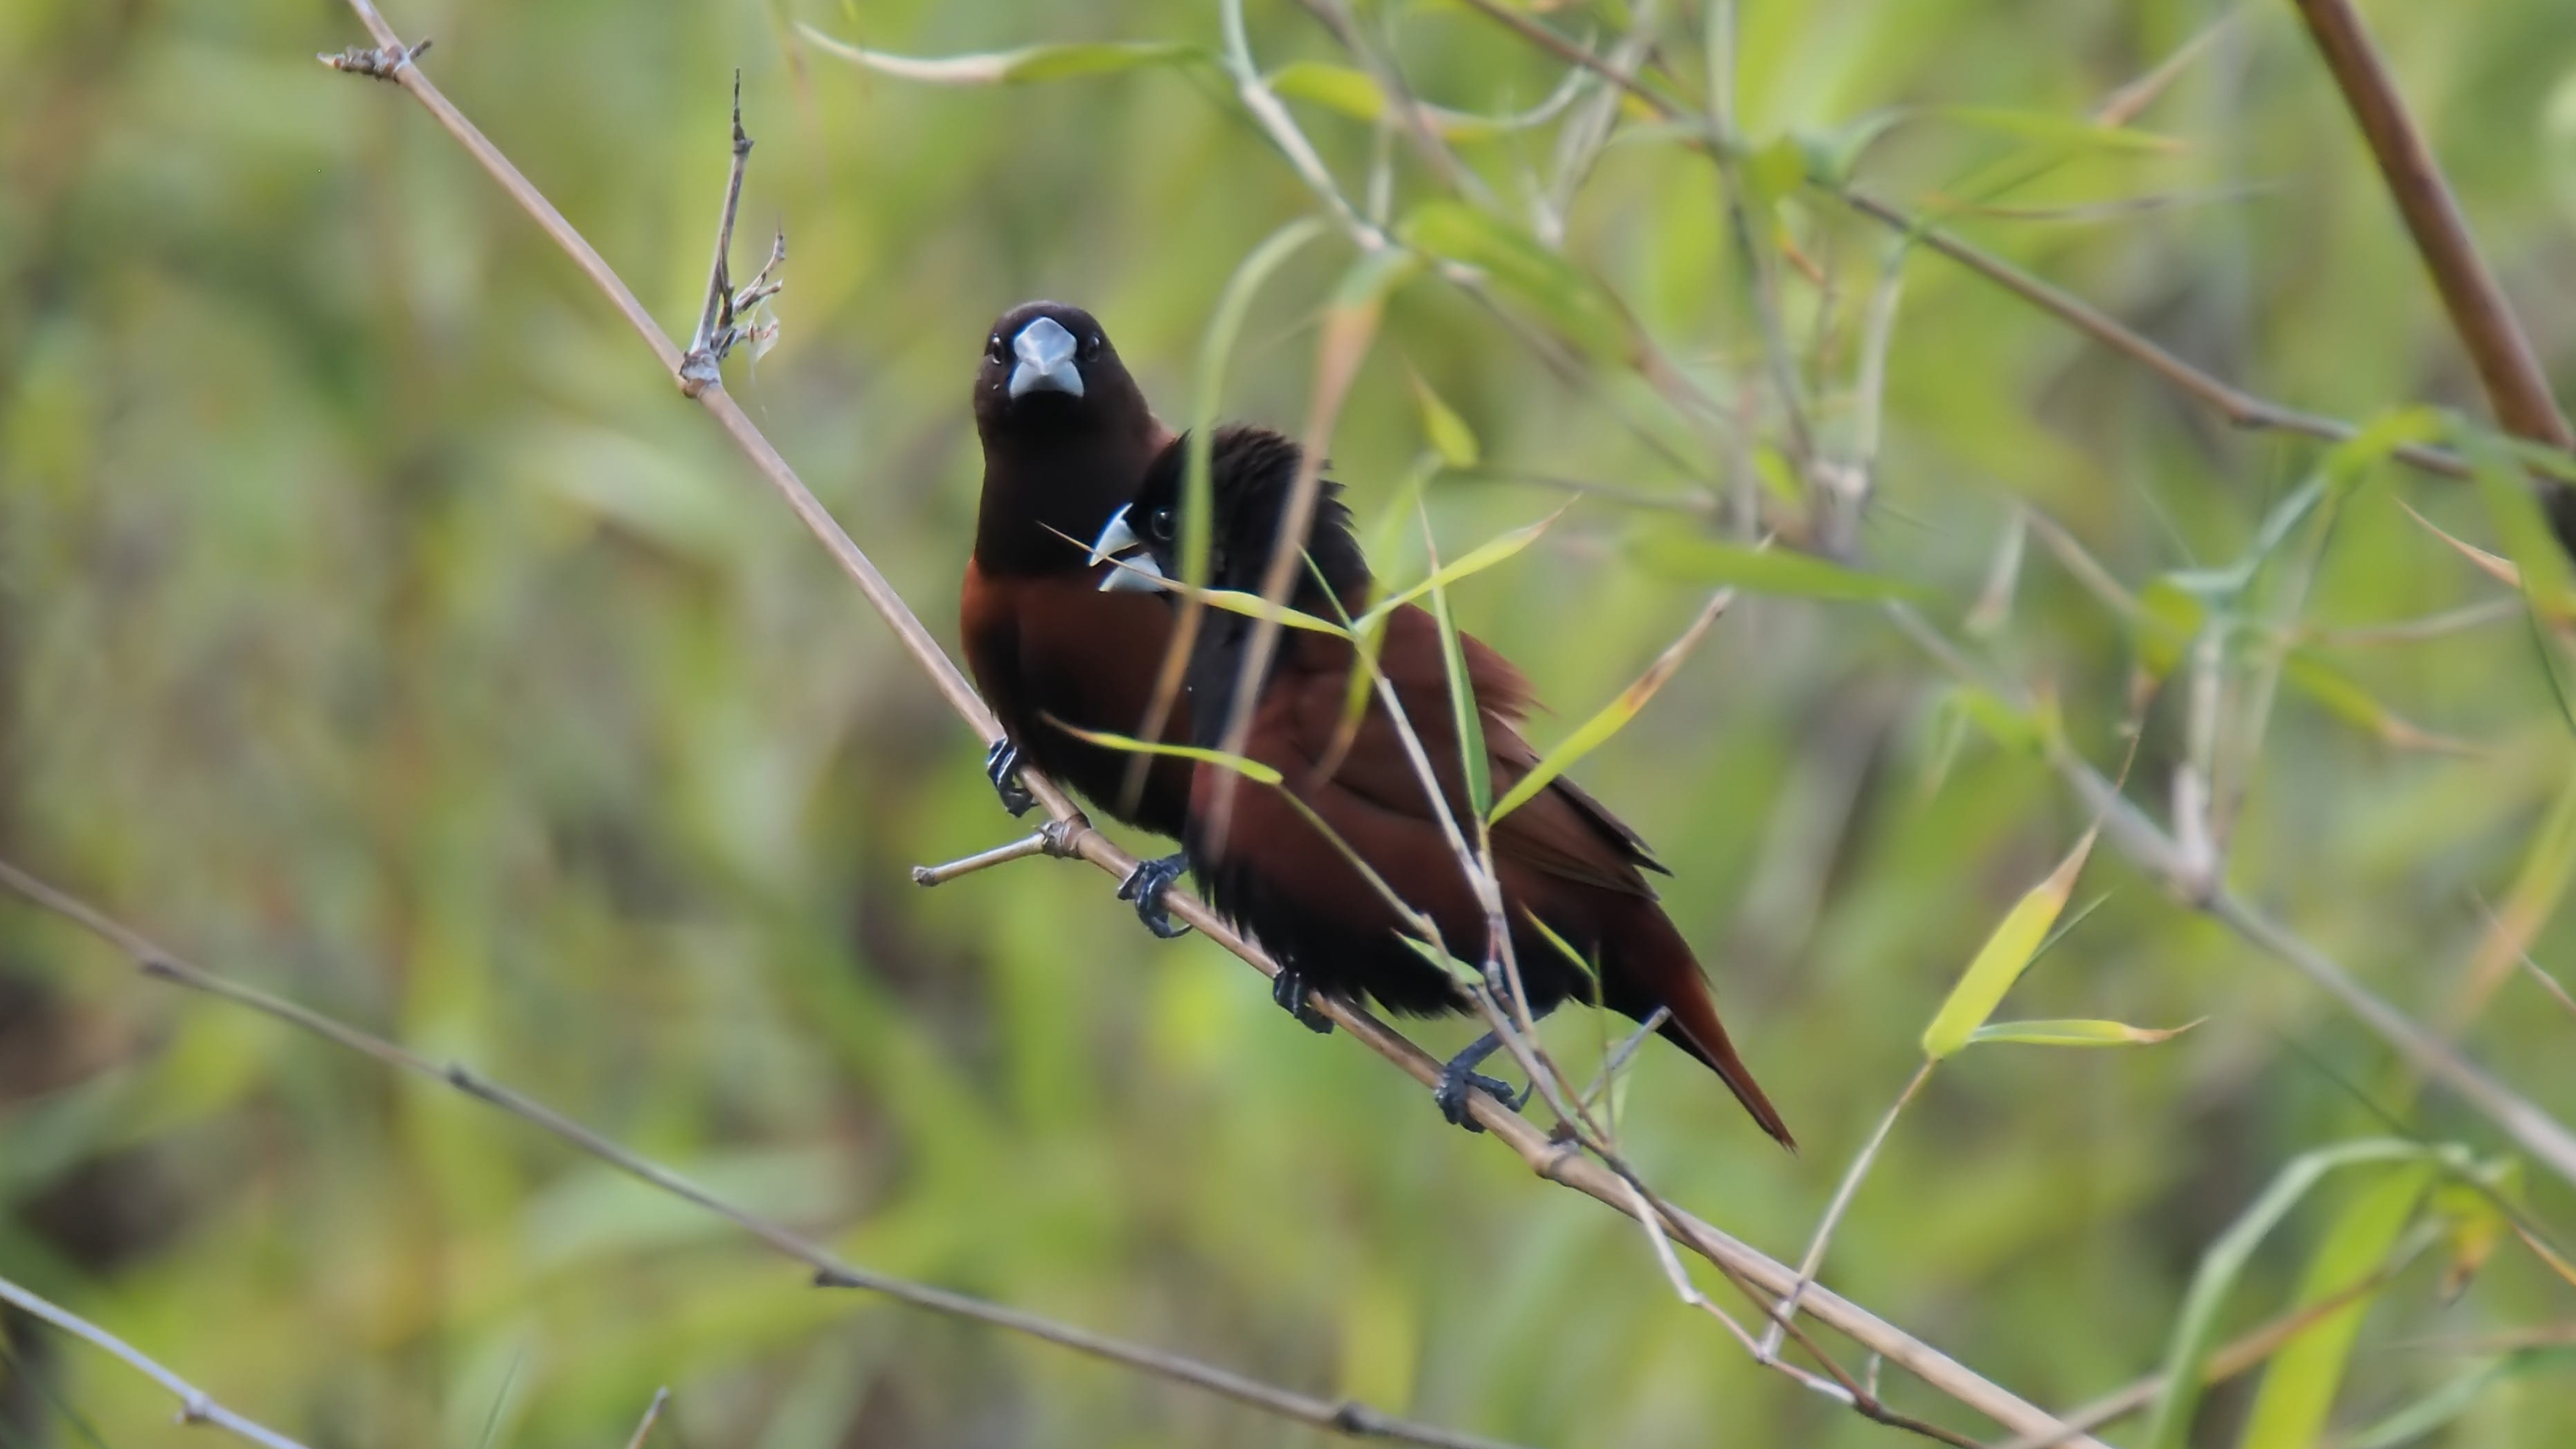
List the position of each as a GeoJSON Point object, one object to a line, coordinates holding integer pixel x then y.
{"type": "Point", "coordinates": [196, 1406]}
{"type": "Point", "coordinates": [2508, 369]}
{"type": "Point", "coordinates": [1346, 1417]}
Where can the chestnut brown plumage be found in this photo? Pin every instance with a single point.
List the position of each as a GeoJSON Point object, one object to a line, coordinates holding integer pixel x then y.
{"type": "Point", "coordinates": [1561, 858]}
{"type": "Point", "coordinates": [1067, 438]}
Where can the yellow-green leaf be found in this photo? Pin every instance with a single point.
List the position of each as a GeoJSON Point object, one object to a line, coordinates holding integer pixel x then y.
{"type": "Point", "coordinates": [1614, 716]}
{"type": "Point", "coordinates": [1680, 555]}
{"type": "Point", "coordinates": [1007, 67]}
{"type": "Point", "coordinates": [1450, 436]}
{"type": "Point", "coordinates": [1576, 305]}
{"type": "Point", "coordinates": [2000, 962]}
{"type": "Point", "coordinates": [1249, 769]}
{"type": "Point", "coordinates": [1476, 560]}
{"type": "Point", "coordinates": [2548, 580]}
{"type": "Point", "coordinates": [2494, 566]}
{"type": "Point", "coordinates": [2076, 1033]}
{"type": "Point", "coordinates": [1463, 712]}
{"type": "Point", "coordinates": [1355, 93]}
{"type": "Point", "coordinates": [2343, 697]}
{"type": "Point", "coordinates": [2196, 1326]}
{"type": "Point", "coordinates": [2169, 618]}
{"type": "Point", "coordinates": [2299, 1385]}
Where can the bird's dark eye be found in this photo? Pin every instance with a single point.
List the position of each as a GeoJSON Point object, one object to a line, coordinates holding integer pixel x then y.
{"type": "Point", "coordinates": [1091, 347]}
{"type": "Point", "coordinates": [993, 347]}
{"type": "Point", "coordinates": [1159, 524]}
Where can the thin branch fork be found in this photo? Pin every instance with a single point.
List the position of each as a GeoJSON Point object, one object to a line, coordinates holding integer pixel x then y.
{"type": "Point", "coordinates": [196, 1406]}
{"type": "Point", "coordinates": [1545, 1158]}
{"type": "Point", "coordinates": [1346, 1417]}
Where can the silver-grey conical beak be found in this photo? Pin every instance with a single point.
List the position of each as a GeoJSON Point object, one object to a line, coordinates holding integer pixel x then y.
{"type": "Point", "coordinates": [1133, 570]}
{"type": "Point", "coordinates": [1045, 351]}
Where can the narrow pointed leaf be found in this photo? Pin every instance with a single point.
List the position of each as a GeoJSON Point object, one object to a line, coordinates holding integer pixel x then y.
{"type": "Point", "coordinates": [1614, 716]}
{"type": "Point", "coordinates": [2548, 580]}
{"type": "Point", "coordinates": [1248, 768]}
{"type": "Point", "coordinates": [1449, 434]}
{"type": "Point", "coordinates": [1356, 94]}
{"type": "Point", "coordinates": [2076, 1033]}
{"type": "Point", "coordinates": [2300, 1383]}
{"type": "Point", "coordinates": [1474, 561]}
{"type": "Point", "coordinates": [2494, 566]}
{"type": "Point", "coordinates": [2344, 697]}
{"type": "Point", "coordinates": [1573, 303]}
{"type": "Point", "coordinates": [1008, 67]}
{"type": "Point", "coordinates": [1463, 712]}
{"type": "Point", "coordinates": [2006, 954]}
{"type": "Point", "coordinates": [2455, 1396]}
{"type": "Point", "coordinates": [2196, 1329]}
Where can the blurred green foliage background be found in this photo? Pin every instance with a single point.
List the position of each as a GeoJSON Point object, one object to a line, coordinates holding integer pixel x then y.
{"type": "Point", "coordinates": [377, 626]}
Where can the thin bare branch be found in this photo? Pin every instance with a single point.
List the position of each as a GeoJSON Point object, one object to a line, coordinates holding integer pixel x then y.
{"type": "Point", "coordinates": [1544, 1158]}
{"type": "Point", "coordinates": [1834, 1210]}
{"type": "Point", "coordinates": [1021, 849]}
{"type": "Point", "coordinates": [2510, 371]}
{"type": "Point", "coordinates": [1345, 1417]}
{"type": "Point", "coordinates": [652, 1413]}
{"type": "Point", "coordinates": [196, 1406]}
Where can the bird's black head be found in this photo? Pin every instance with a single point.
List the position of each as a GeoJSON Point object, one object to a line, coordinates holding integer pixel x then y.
{"type": "Point", "coordinates": [1252, 474]}
{"type": "Point", "coordinates": [1049, 373]}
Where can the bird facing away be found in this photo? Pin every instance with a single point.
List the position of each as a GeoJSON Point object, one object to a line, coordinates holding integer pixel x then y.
{"type": "Point", "coordinates": [1561, 858]}
{"type": "Point", "coordinates": [1067, 438]}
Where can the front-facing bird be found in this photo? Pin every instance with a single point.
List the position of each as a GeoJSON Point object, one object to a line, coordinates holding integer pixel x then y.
{"type": "Point", "coordinates": [1564, 862]}
{"type": "Point", "coordinates": [1067, 440]}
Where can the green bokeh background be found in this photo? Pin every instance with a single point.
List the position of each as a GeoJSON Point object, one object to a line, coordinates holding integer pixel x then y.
{"type": "Point", "coordinates": [377, 626]}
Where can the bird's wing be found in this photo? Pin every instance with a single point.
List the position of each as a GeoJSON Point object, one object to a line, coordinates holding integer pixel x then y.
{"type": "Point", "coordinates": [1561, 830]}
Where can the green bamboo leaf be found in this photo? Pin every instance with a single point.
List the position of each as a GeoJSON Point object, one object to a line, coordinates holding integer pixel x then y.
{"type": "Point", "coordinates": [1450, 436]}
{"type": "Point", "coordinates": [1249, 769]}
{"type": "Point", "coordinates": [1678, 555]}
{"type": "Point", "coordinates": [2300, 1383]}
{"type": "Point", "coordinates": [2006, 954]}
{"type": "Point", "coordinates": [1208, 395]}
{"type": "Point", "coordinates": [1012, 67]}
{"type": "Point", "coordinates": [1251, 606]}
{"type": "Point", "coordinates": [1459, 971]}
{"type": "Point", "coordinates": [1580, 308]}
{"type": "Point", "coordinates": [1463, 712]}
{"type": "Point", "coordinates": [1614, 716]}
{"type": "Point", "coordinates": [2548, 580]}
{"type": "Point", "coordinates": [2170, 616]}
{"type": "Point", "coordinates": [2076, 1033]}
{"type": "Point", "coordinates": [2454, 1396]}
{"type": "Point", "coordinates": [2344, 698]}
{"type": "Point", "coordinates": [2494, 566]}
{"type": "Point", "coordinates": [1475, 561]}
{"type": "Point", "coordinates": [2196, 1329]}
{"type": "Point", "coordinates": [1355, 93]}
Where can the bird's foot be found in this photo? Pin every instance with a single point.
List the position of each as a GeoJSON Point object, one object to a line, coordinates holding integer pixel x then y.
{"type": "Point", "coordinates": [1146, 886]}
{"type": "Point", "coordinates": [1459, 1076]}
{"type": "Point", "coordinates": [1002, 767]}
{"type": "Point", "coordinates": [1288, 988]}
